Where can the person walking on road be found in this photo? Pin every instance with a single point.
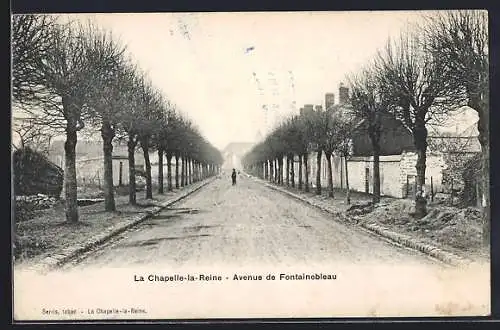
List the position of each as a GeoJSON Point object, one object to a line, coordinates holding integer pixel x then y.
{"type": "Point", "coordinates": [233, 176]}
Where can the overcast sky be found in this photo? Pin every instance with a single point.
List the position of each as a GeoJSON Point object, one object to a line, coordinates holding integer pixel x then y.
{"type": "Point", "coordinates": [221, 69]}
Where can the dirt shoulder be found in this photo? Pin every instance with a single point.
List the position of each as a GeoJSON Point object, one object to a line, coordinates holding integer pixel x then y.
{"type": "Point", "coordinates": [451, 229]}
{"type": "Point", "coordinates": [48, 234]}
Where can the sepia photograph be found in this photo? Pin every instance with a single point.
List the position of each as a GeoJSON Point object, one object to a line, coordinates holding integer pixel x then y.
{"type": "Point", "coordinates": [242, 165]}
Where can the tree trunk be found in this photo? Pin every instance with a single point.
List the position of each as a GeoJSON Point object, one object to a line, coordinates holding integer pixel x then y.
{"type": "Point", "coordinates": [318, 172]}
{"type": "Point", "coordinates": [131, 170]}
{"type": "Point", "coordinates": [176, 170]}
{"type": "Point", "coordinates": [195, 171]}
{"type": "Point", "coordinates": [270, 163]}
{"type": "Point", "coordinates": [195, 175]}
{"type": "Point", "coordinates": [107, 135]}
{"type": "Point", "coordinates": [188, 179]}
{"type": "Point", "coordinates": [483, 127]}
{"type": "Point", "coordinates": [276, 171]}
{"type": "Point", "coordinates": [70, 192]}
{"type": "Point", "coordinates": [306, 171]}
{"type": "Point", "coordinates": [330, 177]}
{"type": "Point", "coordinates": [300, 172]}
{"type": "Point", "coordinates": [183, 165]}
{"type": "Point", "coordinates": [169, 171]}
{"type": "Point", "coordinates": [149, 184]}
{"type": "Point", "coordinates": [420, 140]}
{"type": "Point", "coordinates": [281, 170]}
{"type": "Point", "coordinates": [348, 190]}
{"type": "Point", "coordinates": [190, 171]}
{"type": "Point", "coordinates": [292, 173]}
{"type": "Point", "coordinates": [376, 172]}
{"type": "Point", "coordinates": [288, 170]}
{"type": "Point", "coordinates": [478, 88]}
{"type": "Point", "coordinates": [273, 170]}
{"type": "Point", "coordinates": [160, 171]}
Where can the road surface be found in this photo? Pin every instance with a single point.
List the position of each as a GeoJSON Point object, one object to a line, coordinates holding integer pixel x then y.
{"type": "Point", "coordinates": [210, 255]}
{"type": "Point", "coordinates": [246, 224]}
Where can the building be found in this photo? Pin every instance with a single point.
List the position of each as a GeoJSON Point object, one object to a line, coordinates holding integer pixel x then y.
{"type": "Point", "coordinates": [395, 160]}
{"type": "Point", "coordinates": [397, 157]}
{"type": "Point", "coordinates": [343, 94]}
{"type": "Point", "coordinates": [308, 108]}
{"type": "Point", "coordinates": [90, 161]}
{"type": "Point", "coordinates": [329, 100]}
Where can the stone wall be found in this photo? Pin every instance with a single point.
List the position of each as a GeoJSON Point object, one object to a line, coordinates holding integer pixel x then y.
{"type": "Point", "coordinates": [435, 165]}
{"type": "Point", "coordinates": [394, 171]}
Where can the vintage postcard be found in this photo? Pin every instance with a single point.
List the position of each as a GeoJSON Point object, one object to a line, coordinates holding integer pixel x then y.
{"type": "Point", "coordinates": [250, 165]}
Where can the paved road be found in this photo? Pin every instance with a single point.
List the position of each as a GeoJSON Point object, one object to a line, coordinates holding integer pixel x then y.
{"type": "Point", "coordinates": [246, 224]}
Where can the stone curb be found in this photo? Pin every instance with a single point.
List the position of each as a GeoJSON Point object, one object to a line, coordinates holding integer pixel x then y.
{"type": "Point", "coordinates": [64, 256]}
{"type": "Point", "coordinates": [394, 237]}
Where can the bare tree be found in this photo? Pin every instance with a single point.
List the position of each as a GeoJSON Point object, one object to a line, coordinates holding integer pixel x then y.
{"type": "Point", "coordinates": [413, 83]}
{"type": "Point", "coordinates": [306, 149]}
{"type": "Point", "coordinates": [149, 123]}
{"type": "Point", "coordinates": [460, 38]}
{"type": "Point", "coordinates": [32, 135]}
{"type": "Point", "coordinates": [367, 103]}
{"type": "Point", "coordinates": [339, 129]}
{"type": "Point", "coordinates": [346, 124]}
{"type": "Point", "coordinates": [329, 144]}
{"type": "Point", "coordinates": [172, 145]}
{"type": "Point", "coordinates": [294, 146]}
{"type": "Point", "coordinates": [316, 128]}
{"type": "Point", "coordinates": [31, 40]}
{"type": "Point", "coordinates": [161, 143]}
{"type": "Point", "coordinates": [66, 75]}
{"type": "Point", "coordinates": [129, 123]}
{"type": "Point", "coordinates": [106, 99]}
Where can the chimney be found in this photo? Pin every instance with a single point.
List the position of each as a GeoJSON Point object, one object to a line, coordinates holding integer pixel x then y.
{"type": "Point", "coordinates": [343, 94]}
{"type": "Point", "coordinates": [329, 100]}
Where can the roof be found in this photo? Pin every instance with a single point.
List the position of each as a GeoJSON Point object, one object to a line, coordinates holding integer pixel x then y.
{"type": "Point", "coordinates": [395, 137]}
{"type": "Point", "coordinates": [458, 133]}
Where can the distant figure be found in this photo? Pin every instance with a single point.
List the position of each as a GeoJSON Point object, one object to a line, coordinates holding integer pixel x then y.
{"type": "Point", "coordinates": [233, 176]}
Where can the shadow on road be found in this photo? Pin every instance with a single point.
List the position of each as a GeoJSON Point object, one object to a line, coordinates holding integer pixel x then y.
{"type": "Point", "coordinates": [155, 241]}
{"type": "Point", "coordinates": [183, 210]}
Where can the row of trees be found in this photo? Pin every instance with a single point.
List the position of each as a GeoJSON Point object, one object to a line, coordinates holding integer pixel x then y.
{"type": "Point", "coordinates": [327, 132]}
{"type": "Point", "coordinates": [68, 76]}
{"type": "Point", "coordinates": [418, 78]}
